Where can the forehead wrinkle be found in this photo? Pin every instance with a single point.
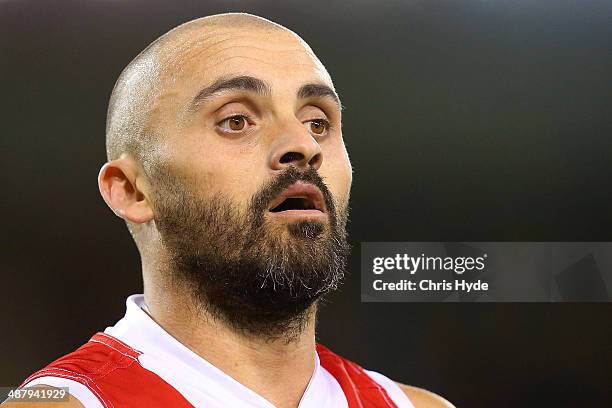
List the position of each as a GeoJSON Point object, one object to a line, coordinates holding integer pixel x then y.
{"type": "Point", "coordinates": [179, 51]}
{"type": "Point", "coordinates": [190, 45]}
{"type": "Point", "coordinates": [218, 55]}
{"type": "Point", "coordinates": [184, 47]}
{"type": "Point", "coordinates": [195, 48]}
{"type": "Point", "coordinates": [261, 61]}
{"type": "Point", "coordinates": [257, 49]}
{"type": "Point", "coordinates": [184, 60]}
{"type": "Point", "coordinates": [266, 49]}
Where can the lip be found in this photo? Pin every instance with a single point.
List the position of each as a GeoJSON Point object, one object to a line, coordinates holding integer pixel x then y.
{"type": "Point", "coordinates": [300, 189]}
{"type": "Point", "coordinates": [307, 214]}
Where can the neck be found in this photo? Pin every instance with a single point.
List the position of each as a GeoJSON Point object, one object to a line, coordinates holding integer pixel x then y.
{"type": "Point", "coordinates": [278, 370]}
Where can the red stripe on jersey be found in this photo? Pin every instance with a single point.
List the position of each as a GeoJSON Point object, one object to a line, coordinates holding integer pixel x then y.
{"type": "Point", "coordinates": [111, 371]}
{"type": "Point", "coordinates": [360, 389]}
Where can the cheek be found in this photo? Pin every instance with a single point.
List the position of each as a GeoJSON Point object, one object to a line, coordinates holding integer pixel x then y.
{"type": "Point", "coordinates": [348, 171]}
{"type": "Point", "coordinates": [338, 174]}
{"type": "Point", "coordinates": [234, 183]}
{"type": "Point", "coordinates": [213, 167]}
{"type": "Point", "coordinates": [220, 169]}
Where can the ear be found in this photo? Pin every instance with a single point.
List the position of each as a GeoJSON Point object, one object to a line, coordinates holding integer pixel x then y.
{"type": "Point", "coordinates": [122, 185]}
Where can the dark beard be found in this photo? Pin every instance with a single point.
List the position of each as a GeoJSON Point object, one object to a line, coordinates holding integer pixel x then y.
{"type": "Point", "coordinates": [238, 267]}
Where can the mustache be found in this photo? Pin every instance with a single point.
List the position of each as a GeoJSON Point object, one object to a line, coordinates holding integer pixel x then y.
{"type": "Point", "coordinates": [262, 199]}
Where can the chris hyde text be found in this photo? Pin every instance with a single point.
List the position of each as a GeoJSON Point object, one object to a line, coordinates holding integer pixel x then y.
{"type": "Point", "coordinates": [460, 285]}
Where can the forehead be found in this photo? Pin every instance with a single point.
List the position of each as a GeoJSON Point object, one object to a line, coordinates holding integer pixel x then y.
{"type": "Point", "coordinates": [278, 57]}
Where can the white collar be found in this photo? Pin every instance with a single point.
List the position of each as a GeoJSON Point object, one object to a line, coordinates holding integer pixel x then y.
{"type": "Point", "coordinates": [200, 382]}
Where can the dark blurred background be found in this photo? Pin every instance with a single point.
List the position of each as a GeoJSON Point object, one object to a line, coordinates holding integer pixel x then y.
{"type": "Point", "coordinates": [465, 120]}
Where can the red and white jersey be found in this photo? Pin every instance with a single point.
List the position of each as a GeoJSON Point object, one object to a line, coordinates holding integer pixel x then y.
{"type": "Point", "coordinates": [136, 363]}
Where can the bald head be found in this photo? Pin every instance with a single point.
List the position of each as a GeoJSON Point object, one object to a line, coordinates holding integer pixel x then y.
{"type": "Point", "coordinates": [227, 161]}
{"type": "Point", "coordinates": [221, 104]}
{"type": "Point", "coordinates": [130, 125]}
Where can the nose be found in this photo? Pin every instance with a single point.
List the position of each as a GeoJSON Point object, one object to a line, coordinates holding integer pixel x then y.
{"type": "Point", "coordinates": [295, 146]}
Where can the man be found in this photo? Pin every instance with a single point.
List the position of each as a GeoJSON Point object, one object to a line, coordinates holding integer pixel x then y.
{"type": "Point", "coordinates": [226, 160]}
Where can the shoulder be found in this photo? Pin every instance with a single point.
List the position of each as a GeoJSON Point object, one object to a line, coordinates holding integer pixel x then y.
{"type": "Point", "coordinates": [102, 373]}
{"type": "Point", "coordinates": [424, 399]}
{"type": "Point", "coordinates": [399, 393]}
{"type": "Point", "coordinates": [70, 403]}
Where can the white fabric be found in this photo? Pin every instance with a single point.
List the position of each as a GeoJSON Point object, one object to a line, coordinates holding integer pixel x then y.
{"type": "Point", "coordinates": [203, 384]}
{"type": "Point", "coordinates": [397, 395]}
{"type": "Point", "coordinates": [76, 389]}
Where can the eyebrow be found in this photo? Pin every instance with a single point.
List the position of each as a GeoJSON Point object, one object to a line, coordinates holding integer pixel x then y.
{"type": "Point", "coordinates": [318, 91]}
{"type": "Point", "coordinates": [238, 83]}
{"type": "Point", "coordinates": [255, 85]}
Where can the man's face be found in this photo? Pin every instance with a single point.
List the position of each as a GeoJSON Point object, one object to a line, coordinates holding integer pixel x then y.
{"type": "Point", "coordinates": [235, 141]}
{"type": "Point", "coordinates": [251, 177]}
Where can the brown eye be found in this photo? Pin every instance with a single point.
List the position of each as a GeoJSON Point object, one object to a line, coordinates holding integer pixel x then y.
{"type": "Point", "coordinates": [234, 123]}
{"type": "Point", "coordinates": [237, 123]}
{"type": "Point", "coordinates": [318, 126]}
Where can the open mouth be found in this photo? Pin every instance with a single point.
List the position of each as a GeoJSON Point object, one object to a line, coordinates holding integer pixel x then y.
{"type": "Point", "coordinates": [294, 203]}
{"type": "Point", "coordinates": [299, 198]}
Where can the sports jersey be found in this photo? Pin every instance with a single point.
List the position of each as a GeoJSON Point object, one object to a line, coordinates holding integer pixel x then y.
{"type": "Point", "coordinates": [136, 363]}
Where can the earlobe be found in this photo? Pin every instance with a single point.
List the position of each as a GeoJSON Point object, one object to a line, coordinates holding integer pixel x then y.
{"type": "Point", "coordinates": [118, 187]}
